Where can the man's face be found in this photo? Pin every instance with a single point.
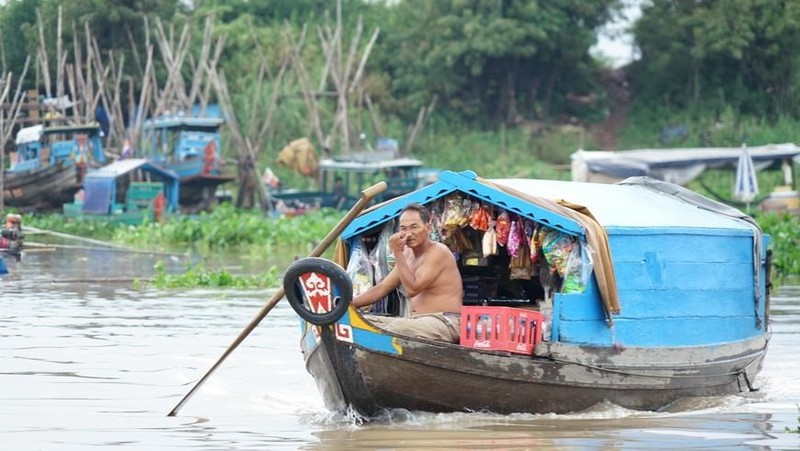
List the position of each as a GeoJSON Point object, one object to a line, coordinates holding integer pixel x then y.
{"type": "Point", "coordinates": [412, 229]}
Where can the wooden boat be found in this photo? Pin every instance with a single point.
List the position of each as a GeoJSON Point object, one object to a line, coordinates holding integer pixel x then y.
{"type": "Point", "coordinates": [49, 163]}
{"type": "Point", "coordinates": [355, 173]}
{"type": "Point", "coordinates": [673, 303]}
{"type": "Point", "coordinates": [188, 146]}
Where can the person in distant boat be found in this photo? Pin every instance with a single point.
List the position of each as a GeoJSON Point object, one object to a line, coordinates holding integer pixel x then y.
{"type": "Point", "coordinates": [428, 273]}
{"type": "Point", "coordinates": [339, 193]}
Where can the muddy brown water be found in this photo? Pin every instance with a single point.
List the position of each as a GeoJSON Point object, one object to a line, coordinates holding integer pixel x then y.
{"type": "Point", "coordinates": [90, 365]}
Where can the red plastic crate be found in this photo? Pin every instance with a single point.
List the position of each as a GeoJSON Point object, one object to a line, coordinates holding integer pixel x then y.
{"type": "Point", "coordinates": [501, 328]}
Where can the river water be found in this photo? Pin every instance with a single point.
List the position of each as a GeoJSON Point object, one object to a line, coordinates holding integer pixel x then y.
{"type": "Point", "coordinates": [87, 363]}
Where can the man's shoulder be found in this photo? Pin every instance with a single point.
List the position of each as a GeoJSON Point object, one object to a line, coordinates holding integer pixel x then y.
{"type": "Point", "coordinates": [441, 249]}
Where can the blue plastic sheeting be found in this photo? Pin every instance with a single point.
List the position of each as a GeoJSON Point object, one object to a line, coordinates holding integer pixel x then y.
{"type": "Point", "coordinates": [3, 269]}
{"type": "Point", "coordinates": [99, 195]}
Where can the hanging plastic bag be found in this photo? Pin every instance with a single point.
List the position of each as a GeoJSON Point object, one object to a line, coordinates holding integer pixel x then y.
{"type": "Point", "coordinates": [579, 269]}
{"type": "Point", "coordinates": [556, 247]}
{"type": "Point", "coordinates": [489, 241]}
{"type": "Point", "coordinates": [502, 228]}
{"type": "Point", "coordinates": [453, 213]}
{"type": "Point", "coordinates": [380, 263]}
{"type": "Point", "coordinates": [359, 269]}
{"type": "Point", "coordinates": [515, 237]}
{"type": "Point", "coordinates": [520, 267]}
{"type": "Point", "coordinates": [479, 218]}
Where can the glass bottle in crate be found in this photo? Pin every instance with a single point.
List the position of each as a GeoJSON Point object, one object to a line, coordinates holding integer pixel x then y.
{"type": "Point", "coordinates": [488, 325]}
{"type": "Point", "coordinates": [479, 328]}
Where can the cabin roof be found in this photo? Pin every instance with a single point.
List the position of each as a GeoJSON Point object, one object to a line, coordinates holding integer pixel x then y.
{"type": "Point", "coordinates": [35, 132]}
{"type": "Point", "coordinates": [122, 167]}
{"type": "Point", "coordinates": [614, 206]}
{"type": "Point", "coordinates": [368, 166]}
{"type": "Point", "coordinates": [183, 122]}
{"type": "Point", "coordinates": [626, 205]}
{"type": "Point", "coordinates": [29, 134]}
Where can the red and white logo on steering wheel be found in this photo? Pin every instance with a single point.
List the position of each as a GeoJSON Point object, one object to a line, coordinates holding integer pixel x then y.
{"type": "Point", "coordinates": [317, 289]}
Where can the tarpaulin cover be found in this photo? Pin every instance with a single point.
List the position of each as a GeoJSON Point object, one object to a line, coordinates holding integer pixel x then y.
{"type": "Point", "coordinates": [99, 193]}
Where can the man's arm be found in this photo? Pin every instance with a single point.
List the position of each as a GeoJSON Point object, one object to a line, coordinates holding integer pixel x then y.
{"type": "Point", "coordinates": [418, 281]}
{"type": "Point", "coordinates": [379, 291]}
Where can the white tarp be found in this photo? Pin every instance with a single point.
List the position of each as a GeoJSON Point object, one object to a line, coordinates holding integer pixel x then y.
{"type": "Point", "coordinates": [679, 166]}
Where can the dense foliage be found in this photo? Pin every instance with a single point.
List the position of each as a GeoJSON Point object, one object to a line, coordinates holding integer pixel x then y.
{"type": "Point", "coordinates": [717, 54]}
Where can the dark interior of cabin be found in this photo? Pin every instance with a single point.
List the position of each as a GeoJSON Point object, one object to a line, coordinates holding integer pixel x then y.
{"type": "Point", "coordinates": [485, 280]}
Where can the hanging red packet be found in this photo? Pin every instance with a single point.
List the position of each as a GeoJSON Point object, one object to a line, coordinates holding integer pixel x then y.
{"type": "Point", "coordinates": [503, 228]}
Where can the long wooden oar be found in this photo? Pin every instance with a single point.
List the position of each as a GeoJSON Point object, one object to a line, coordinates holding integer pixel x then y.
{"type": "Point", "coordinates": [30, 229]}
{"type": "Point", "coordinates": [366, 197]}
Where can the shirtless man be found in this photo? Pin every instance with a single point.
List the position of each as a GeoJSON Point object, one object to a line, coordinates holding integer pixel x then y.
{"type": "Point", "coordinates": [427, 271]}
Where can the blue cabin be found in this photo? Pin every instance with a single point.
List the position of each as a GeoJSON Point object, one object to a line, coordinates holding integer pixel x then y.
{"type": "Point", "coordinates": [190, 147]}
{"type": "Point", "coordinates": [42, 146]}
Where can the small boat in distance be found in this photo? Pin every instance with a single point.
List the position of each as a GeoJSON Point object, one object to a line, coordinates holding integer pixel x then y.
{"type": "Point", "coordinates": [341, 178]}
{"type": "Point", "coordinates": [49, 163]}
{"type": "Point", "coordinates": [12, 237]}
{"type": "Point", "coordinates": [190, 147]}
{"type": "Point", "coordinates": [639, 294]}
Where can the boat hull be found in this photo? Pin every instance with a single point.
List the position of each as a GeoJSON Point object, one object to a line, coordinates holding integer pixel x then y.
{"type": "Point", "coordinates": [441, 377]}
{"type": "Point", "coordinates": [45, 188]}
{"type": "Point", "coordinates": [199, 190]}
{"type": "Point", "coordinates": [198, 186]}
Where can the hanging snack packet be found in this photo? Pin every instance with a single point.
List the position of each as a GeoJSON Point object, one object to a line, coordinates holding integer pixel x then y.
{"type": "Point", "coordinates": [502, 228]}
{"type": "Point", "coordinates": [515, 237]}
{"type": "Point", "coordinates": [489, 241]}
{"type": "Point", "coordinates": [479, 218]}
{"type": "Point", "coordinates": [556, 248]}
{"type": "Point", "coordinates": [520, 267]}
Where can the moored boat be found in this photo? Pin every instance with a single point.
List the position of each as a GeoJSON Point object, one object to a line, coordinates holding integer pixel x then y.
{"type": "Point", "coordinates": [49, 163]}
{"type": "Point", "coordinates": [639, 294]}
{"type": "Point", "coordinates": [190, 147]}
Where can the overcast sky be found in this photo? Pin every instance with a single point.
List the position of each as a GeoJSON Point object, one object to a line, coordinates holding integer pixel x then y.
{"type": "Point", "coordinates": [615, 43]}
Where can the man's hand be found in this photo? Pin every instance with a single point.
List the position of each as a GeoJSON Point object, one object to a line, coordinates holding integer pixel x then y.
{"type": "Point", "coordinates": [397, 242]}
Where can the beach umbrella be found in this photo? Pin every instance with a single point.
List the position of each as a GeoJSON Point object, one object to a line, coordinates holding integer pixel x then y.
{"type": "Point", "coordinates": [746, 185]}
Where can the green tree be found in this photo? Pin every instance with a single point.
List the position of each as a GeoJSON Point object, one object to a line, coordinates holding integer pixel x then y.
{"type": "Point", "coordinates": [16, 17]}
{"type": "Point", "coordinates": [719, 53]}
{"type": "Point", "coordinates": [498, 61]}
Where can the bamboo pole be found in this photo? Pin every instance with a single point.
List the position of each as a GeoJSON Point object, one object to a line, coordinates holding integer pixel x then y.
{"type": "Point", "coordinates": [43, 54]}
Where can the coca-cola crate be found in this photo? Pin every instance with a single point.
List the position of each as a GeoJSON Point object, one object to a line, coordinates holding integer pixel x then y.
{"type": "Point", "coordinates": [501, 328]}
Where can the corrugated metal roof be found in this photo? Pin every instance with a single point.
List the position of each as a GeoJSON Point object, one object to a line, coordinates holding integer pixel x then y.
{"type": "Point", "coordinates": [121, 167]}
